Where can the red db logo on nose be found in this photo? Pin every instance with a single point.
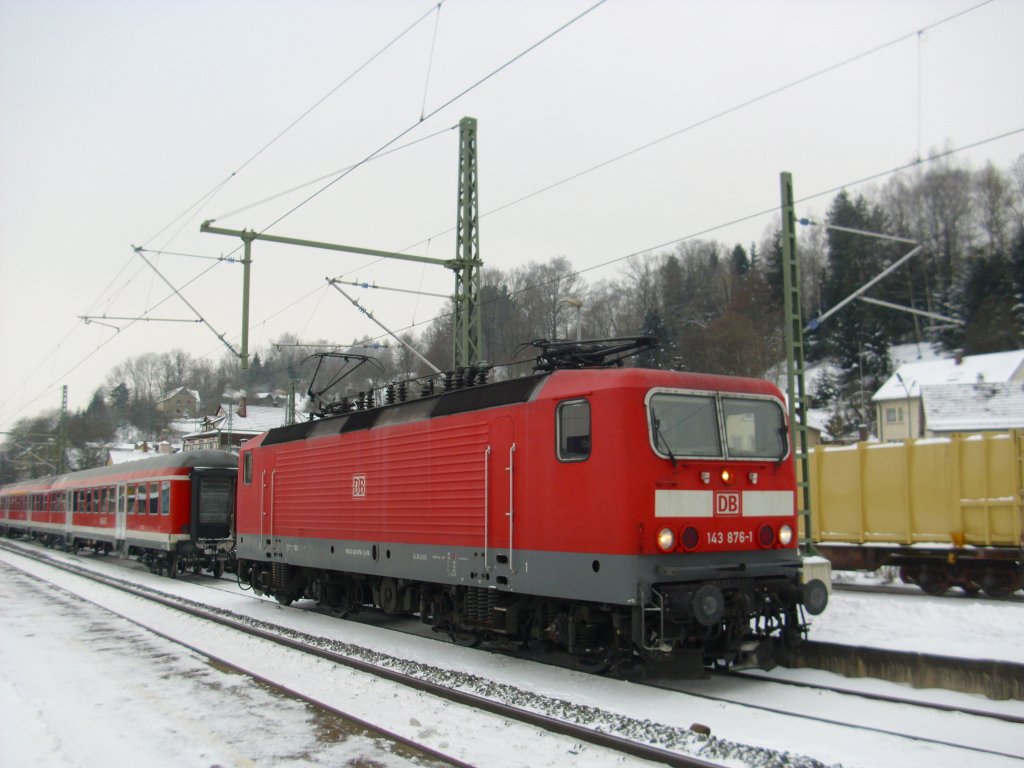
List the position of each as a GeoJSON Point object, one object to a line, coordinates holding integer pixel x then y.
{"type": "Point", "coordinates": [727, 503]}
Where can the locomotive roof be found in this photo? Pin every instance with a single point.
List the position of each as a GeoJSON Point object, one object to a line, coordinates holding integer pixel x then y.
{"type": "Point", "coordinates": [187, 459]}
{"type": "Point", "coordinates": [555, 384]}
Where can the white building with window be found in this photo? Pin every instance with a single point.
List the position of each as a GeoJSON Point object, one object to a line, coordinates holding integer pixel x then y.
{"type": "Point", "coordinates": [914, 401]}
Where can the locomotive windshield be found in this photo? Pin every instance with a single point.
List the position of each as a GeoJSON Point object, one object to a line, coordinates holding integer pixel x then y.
{"type": "Point", "coordinates": [695, 425]}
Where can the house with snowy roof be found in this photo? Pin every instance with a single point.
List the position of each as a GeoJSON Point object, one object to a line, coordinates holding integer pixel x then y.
{"type": "Point", "coordinates": [232, 425]}
{"type": "Point", "coordinates": [921, 398]}
{"type": "Point", "coordinates": [978, 407]}
{"type": "Point", "coordinates": [181, 403]}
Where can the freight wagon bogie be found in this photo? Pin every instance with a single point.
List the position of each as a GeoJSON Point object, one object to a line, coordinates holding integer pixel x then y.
{"type": "Point", "coordinates": [935, 575]}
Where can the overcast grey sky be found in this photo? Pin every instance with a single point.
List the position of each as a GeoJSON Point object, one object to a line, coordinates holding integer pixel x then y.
{"type": "Point", "coordinates": [118, 116]}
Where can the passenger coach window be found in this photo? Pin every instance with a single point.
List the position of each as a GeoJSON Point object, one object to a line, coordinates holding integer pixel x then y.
{"type": "Point", "coordinates": [574, 430]}
{"type": "Point", "coordinates": [165, 497]}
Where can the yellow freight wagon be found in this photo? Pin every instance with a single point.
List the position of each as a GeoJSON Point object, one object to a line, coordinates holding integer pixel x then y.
{"type": "Point", "coordinates": [948, 510]}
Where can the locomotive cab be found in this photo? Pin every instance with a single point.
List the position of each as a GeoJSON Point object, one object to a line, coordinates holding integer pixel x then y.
{"type": "Point", "coordinates": [725, 519]}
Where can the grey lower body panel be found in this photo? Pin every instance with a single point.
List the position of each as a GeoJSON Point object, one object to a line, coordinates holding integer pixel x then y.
{"type": "Point", "coordinates": [591, 577]}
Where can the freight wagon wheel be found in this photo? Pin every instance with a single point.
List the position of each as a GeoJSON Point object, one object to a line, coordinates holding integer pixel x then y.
{"type": "Point", "coordinates": [934, 580]}
{"type": "Point", "coordinates": [1000, 583]}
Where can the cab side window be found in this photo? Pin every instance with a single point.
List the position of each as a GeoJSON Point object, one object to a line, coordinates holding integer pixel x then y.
{"type": "Point", "coordinates": [573, 430]}
{"type": "Point", "coordinates": [247, 468]}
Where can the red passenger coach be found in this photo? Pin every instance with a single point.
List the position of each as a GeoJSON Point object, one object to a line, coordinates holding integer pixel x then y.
{"type": "Point", "coordinates": [613, 512]}
{"type": "Point", "coordinates": [171, 511]}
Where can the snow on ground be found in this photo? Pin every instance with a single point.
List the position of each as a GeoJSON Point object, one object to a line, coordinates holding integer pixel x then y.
{"type": "Point", "coordinates": [980, 629]}
{"type": "Point", "coordinates": [80, 687]}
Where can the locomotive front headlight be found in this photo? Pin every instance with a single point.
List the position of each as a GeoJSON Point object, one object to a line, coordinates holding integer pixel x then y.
{"type": "Point", "coordinates": [785, 535]}
{"type": "Point", "coordinates": [666, 539]}
{"type": "Point", "coordinates": [726, 476]}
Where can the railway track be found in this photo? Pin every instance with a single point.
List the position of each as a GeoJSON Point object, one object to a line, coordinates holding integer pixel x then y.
{"type": "Point", "coordinates": [584, 732]}
{"type": "Point", "coordinates": [909, 589]}
{"type": "Point", "coordinates": [586, 725]}
{"type": "Point", "coordinates": [887, 716]}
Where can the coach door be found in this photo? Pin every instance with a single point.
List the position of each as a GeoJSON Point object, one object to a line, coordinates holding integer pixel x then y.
{"type": "Point", "coordinates": [121, 517]}
{"type": "Point", "coordinates": [499, 516]}
{"type": "Point", "coordinates": [69, 498]}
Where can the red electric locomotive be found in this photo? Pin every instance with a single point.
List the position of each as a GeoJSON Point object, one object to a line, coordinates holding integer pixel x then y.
{"type": "Point", "coordinates": [617, 513]}
{"type": "Point", "coordinates": [172, 511]}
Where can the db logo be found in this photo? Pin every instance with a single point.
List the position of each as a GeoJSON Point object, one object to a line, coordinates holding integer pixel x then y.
{"type": "Point", "coordinates": [358, 486]}
{"type": "Point", "coordinates": [727, 503]}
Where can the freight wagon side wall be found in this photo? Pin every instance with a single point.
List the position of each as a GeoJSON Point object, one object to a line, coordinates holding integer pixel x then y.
{"type": "Point", "coordinates": [956, 490]}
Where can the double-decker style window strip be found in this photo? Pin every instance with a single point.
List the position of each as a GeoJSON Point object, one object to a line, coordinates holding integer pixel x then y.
{"type": "Point", "coordinates": [573, 426]}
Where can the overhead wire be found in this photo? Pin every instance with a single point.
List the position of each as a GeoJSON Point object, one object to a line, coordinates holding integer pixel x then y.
{"type": "Point", "coordinates": [738, 220]}
{"type": "Point", "coordinates": [430, 61]}
{"type": "Point", "coordinates": [581, 173]}
{"type": "Point", "coordinates": [212, 192]}
{"type": "Point", "coordinates": [704, 121]}
{"type": "Point", "coordinates": [309, 183]}
{"type": "Point", "coordinates": [724, 113]}
{"type": "Point", "coordinates": [435, 111]}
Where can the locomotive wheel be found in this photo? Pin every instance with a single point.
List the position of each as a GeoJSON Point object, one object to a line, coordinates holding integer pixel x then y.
{"type": "Point", "coordinates": [596, 661]}
{"type": "Point", "coordinates": [389, 599]}
{"type": "Point", "coordinates": [172, 567]}
{"type": "Point", "coordinates": [218, 569]}
{"type": "Point", "coordinates": [464, 639]}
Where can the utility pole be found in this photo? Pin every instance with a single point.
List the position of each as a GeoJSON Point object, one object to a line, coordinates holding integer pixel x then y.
{"type": "Point", "coordinates": [62, 433]}
{"type": "Point", "coordinates": [794, 336]}
{"type": "Point", "coordinates": [466, 264]}
{"type": "Point", "coordinates": [468, 347]}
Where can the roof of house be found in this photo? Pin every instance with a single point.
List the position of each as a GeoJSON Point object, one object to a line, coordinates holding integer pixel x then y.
{"type": "Point", "coordinates": [121, 454]}
{"type": "Point", "coordinates": [974, 407]}
{"type": "Point", "coordinates": [909, 378]}
{"type": "Point", "coordinates": [194, 393]}
{"type": "Point", "coordinates": [257, 419]}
